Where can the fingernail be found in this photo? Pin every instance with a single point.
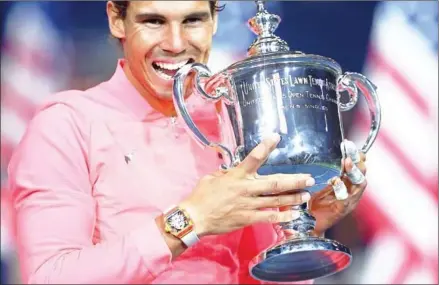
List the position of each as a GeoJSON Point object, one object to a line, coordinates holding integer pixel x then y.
{"type": "Point", "coordinates": [355, 175]}
{"type": "Point", "coordinates": [310, 182]}
{"type": "Point", "coordinates": [348, 162]}
{"type": "Point", "coordinates": [295, 215]}
{"type": "Point", "coordinates": [306, 196]}
{"type": "Point", "coordinates": [352, 151]}
{"type": "Point", "coordinates": [270, 136]}
{"type": "Point", "coordinates": [275, 137]}
{"type": "Point", "coordinates": [340, 190]}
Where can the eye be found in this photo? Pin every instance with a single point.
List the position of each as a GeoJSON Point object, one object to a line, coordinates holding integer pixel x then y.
{"type": "Point", "coordinates": [192, 21]}
{"type": "Point", "coordinates": [154, 22]}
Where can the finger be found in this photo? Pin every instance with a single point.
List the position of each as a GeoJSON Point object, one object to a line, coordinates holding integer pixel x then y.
{"type": "Point", "coordinates": [279, 176]}
{"type": "Point", "coordinates": [362, 156]}
{"type": "Point", "coordinates": [278, 201]}
{"type": "Point", "coordinates": [354, 173]}
{"type": "Point", "coordinates": [258, 187]}
{"type": "Point", "coordinates": [348, 165]}
{"type": "Point", "coordinates": [274, 216]}
{"type": "Point", "coordinates": [259, 154]}
{"type": "Point", "coordinates": [339, 188]}
{"type": "Point", "coordinates": [351, 150]}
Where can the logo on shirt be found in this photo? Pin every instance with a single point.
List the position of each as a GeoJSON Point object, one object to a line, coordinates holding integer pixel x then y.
{"type": "Point", "coordinates": [129, 157]}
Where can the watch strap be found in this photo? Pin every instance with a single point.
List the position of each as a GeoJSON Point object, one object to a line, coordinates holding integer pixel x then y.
{"type": "Point", "coordinates": [190, 238]}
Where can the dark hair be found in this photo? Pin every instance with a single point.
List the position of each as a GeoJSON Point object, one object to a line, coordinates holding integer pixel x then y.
{"type": "Point", "coordinates": [122, 7]}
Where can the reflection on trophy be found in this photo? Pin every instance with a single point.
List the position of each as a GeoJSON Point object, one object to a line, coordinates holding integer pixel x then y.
{"type": "Point", "coordinates": [298, 96]}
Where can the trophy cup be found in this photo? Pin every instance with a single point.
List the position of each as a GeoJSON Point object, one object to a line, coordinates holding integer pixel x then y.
{"type": "Point", "coordinates": [298, 96]}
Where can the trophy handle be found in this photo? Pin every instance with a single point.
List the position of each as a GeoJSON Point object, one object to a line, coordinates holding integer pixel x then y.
{"type": "Point", "coordinates": [351, 82]}
{"type": "Point", "coordinates": [180, 107]}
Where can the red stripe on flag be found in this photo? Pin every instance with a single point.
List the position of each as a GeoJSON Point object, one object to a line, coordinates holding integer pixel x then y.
{"type": "Point", "coordinates": [15, 102]}
{"type": "Point", "coordinates": [377, 220]}
{"type": "Point", "coordinates": [399, 155]}
{"type": "Point", "coordinates": [34, 58]}
{"type": "Point", "coordinates": [375, 58]}
{"type": "Point", "coordinates": [6, 149]}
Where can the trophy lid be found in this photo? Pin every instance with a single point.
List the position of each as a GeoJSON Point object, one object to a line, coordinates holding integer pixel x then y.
{"type": "Point", "coordinates": [268, 48]}
{"type": "Point", "coordinates": [263, 24]}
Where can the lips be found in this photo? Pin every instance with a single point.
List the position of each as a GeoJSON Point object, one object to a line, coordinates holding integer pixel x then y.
{"type": "Point", "coordinates": [167, 70]}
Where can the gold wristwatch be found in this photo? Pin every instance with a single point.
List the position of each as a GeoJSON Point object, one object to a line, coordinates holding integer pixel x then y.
{"type": "Point", "coordinates": [179, 224]}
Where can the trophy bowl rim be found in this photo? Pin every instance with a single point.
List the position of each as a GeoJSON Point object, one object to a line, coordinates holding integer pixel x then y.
{"type": "Point", "coordinates": [258, 61]}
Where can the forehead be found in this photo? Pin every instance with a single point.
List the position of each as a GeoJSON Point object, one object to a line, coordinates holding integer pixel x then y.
{"type": "Point", "coordinates": [169, 8]}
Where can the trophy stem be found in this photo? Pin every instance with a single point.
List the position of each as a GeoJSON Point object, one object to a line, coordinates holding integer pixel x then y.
{"type": "Point", "coordinates": [302, 226]}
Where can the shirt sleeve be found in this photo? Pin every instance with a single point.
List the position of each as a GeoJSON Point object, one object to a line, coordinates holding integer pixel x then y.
{"type": "Point", "coordinates": [55, 212]}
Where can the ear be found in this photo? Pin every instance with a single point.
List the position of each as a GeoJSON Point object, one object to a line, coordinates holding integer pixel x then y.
{"type": "Point", "coordinates": [115, 22]}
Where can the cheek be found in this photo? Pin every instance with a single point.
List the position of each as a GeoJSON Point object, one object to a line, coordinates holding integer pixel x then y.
{"type": "Point", "coordinates": [140, 43]}
{"type": "Point", "coordinates": [201, 39]}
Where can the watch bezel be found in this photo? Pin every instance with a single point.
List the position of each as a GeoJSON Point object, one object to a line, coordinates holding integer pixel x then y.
{"type": "Point", "coordinates": [172, 230]}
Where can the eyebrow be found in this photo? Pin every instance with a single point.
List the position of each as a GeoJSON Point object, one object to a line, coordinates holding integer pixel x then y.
{"type": "Point", "coordinates": [201, 15]}
{"type": "Point", "coordinates": [145, 15]}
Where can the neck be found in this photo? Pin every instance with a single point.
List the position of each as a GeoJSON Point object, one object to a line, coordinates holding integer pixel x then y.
{"type": "Point", "coordinates": [165, 107]}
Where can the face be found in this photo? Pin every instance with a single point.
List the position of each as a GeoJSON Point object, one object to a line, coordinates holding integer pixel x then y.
{"type": "Point", "coordinates": [159, 37]}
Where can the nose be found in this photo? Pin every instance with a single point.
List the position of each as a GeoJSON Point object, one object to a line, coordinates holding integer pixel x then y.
{"type": "Point", "coordinates": [175, 40]}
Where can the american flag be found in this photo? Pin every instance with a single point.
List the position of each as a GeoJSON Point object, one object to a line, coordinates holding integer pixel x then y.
{"type": "Point", "coordinates": [34, 64]}
{"type": "Point", "coordinates": [400, 204]}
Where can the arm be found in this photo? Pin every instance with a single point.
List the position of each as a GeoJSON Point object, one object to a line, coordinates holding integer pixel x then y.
{"type": "Point", "coordinates": [55, 213]}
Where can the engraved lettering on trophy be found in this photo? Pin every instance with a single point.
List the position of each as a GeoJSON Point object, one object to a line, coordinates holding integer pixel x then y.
{"type": "Point", "coordinates": [330, 85]}
{"type": "Point", "coordinates": [299, 81]}
{"type": "Point", "coordinates": [332, 100]}
{"type": "Point", "coordinates": [291, 106]}
{"type": "Point", "coordinates": [314, 96]}
{"type": "Point", "coordinates": [315, 106]}
{"type": "Point", "coordinates": [313, 81]}
{"type": "Point", "coordinates": [279, 86]}
{"type": "Point", "coordinates": [295, 94]}
{"type": "Point", "coordinates": [284, 81]}
{"type": "Point", "coordinates": [246, 88]}
{"type": "Point", "coordinates": [251, 102]}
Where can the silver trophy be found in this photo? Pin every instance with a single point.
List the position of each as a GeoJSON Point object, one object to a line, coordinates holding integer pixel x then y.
{"type": "Point", "coordinates": [298, 96]}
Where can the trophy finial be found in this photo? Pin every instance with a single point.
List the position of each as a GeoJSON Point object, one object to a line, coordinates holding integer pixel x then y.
{"type": "Point", "coordinates": [263, 25]}
{"type": "Point", "coordinates": [260, 4]}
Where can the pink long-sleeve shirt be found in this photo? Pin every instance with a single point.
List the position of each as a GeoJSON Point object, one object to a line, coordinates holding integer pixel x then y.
{"type": "Point", "coordinates": [94, 170]}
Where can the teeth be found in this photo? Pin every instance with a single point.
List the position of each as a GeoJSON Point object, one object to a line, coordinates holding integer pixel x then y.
{"type": "Point", "coordinates": [164, 75]}
{"type": "Point", "coordinates": [171, 66]}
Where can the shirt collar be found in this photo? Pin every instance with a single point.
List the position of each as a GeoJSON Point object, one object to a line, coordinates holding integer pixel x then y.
{"type": "Point", "coordinates": [128, 95]}
{"type": "Point", "coordinates": [133, 102]}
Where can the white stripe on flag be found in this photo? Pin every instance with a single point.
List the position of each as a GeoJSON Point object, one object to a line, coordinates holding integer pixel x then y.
{"type": "Point", "coordinates": [408, 52]}
{"type": "Point", "coordinates": [384, 257]}
{"type": "Point", "coordinates": [34, 87]}
{"type": "Point", "coordinates": [407, 126]}
{"type": "Point", "coordinates": [403, 200]}
{"type": "Point", "coordinates": [12, 127]}
{"type": "Point", "coordinates": [420, 274]}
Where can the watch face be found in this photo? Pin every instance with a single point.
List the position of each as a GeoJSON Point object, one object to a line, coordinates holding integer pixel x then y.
{"type": "Point", "coordinates": [178, 221]}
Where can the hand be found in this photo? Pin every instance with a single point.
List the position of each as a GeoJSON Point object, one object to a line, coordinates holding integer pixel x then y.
{"type": "Point", "coordinates": [325, 206]}
{"type": "Point", "coordinates": [228, 200]}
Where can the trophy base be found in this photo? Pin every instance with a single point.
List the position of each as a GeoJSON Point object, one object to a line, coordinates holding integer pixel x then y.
{"type": "Point", "coordinates": [300, 259]}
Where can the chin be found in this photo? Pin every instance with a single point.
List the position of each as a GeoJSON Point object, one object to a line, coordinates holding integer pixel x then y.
{"type": "Point", "coordinates": [165, 96]}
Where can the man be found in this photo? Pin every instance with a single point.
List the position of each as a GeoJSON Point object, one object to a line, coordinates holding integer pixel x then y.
{"type": "Point", "coordinates": [98, 173]}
